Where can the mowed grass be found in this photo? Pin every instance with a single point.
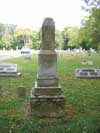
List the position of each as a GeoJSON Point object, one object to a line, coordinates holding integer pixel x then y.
{"type": "Point", "coordinates": [82, 98]}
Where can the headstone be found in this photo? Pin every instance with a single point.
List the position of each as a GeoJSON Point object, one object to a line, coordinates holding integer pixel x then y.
{"type": "Point", "coordinates": [89, 53]}
{"type": "Point", "coordinates": [21, 91]}
{"type": "Point", "coordinates": [27, 56]}
{"type": "Point", "coordinates": [87, 73]}
{"type": "Point", "coordinates": [84, 62]}
{"type": "Point", "coordinates": [47, 99]}
{"type": "Point", "coordinates": [90, 62]}
{"type": "Point", "coordinates": [9, 70]}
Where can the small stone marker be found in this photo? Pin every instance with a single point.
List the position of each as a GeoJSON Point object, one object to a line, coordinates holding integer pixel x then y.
{"type": "Point", "coordinates": [9, 70]}
{"type": "Point", "coordinates": [84, 62]}
{"type": "Point", "coordinates": [90, 62]}
{"type": "Point", "coordinates": [87, 73]}
{"type": "Point", "coordinates": [21, 91]}
{"type": "Point", "coordinates": [47, 99]}
{"type": "Point", "coordinates": [27, 57]}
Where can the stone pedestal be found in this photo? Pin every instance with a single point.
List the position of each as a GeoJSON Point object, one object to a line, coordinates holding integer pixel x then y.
{"type": "Point", "coordinates": [47, 69]}
{"type": "Point", "coordinates": [47, 99]}
{"type": "Point", "coordinates": [47, 106]}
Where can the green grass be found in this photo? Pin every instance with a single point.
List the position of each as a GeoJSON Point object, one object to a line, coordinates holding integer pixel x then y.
{"type": "Point", "coordinates": [82, 98]}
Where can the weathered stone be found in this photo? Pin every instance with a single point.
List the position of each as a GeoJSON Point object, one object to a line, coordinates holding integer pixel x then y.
{"type": "Point", "coordinates": [46, 90]}
{"type": "Point", "coordinates": [48, 106]}
{"type": "Point", "coordinates": [47, 99]}
{"type": "Point", "coordinates": [21, 91]}
{"type": "Point", "coordinates": [48, 34]}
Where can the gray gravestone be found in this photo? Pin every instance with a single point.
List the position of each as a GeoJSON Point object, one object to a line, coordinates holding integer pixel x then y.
{"type": "Point", "coordinates": [46, 97]}
{"type": "Point", "coordinates": [27, 57]}
{"type": "Point", "coordinates": [9, 70]}
{"type": "Point", "coordinates": [87, 73]}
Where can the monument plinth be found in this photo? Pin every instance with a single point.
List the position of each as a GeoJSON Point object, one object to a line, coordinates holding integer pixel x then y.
{"type": "Point", "coordinates": [46, 97]}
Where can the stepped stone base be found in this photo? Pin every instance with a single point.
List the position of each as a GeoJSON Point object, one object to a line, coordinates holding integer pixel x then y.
{"type": "Point", "coordinates": [47, 102]}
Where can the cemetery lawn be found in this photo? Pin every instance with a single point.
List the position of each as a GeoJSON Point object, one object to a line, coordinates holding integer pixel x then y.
{"type": "Point", "coordinates": [82, 98]}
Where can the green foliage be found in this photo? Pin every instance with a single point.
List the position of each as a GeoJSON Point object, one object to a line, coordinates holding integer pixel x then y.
{"type": "Point", "coordinates": [35, 40]}
{"type": "Point", "coordinates": [22, 36]}
{"type": "Point", "coordinates": [91, 4]}
{"type": "Point", "coordinates": [90, 30]}
{"type": "Point", "coordinates": [7, 41]}
{"type": "Point", "coordinates": [71, 37]}
{"type": "Point", "coordinates": [96, 26]}
{"type": "Point", "coordinates": [65, 38]}
{"type": "Point", "coordinates": [85, 34]}
{"type": "Point", "coordinates": [92, 24]}
{"type": "Point", "coordinates": [58, 39]}
{"type": "Point", "coordinates": [2, 31]}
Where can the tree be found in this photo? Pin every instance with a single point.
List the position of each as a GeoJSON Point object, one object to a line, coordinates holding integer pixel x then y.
{"type": "Point", "coordinates": [70, 35]}
{"type": "Point", "coordinates": [85, 33]}
{"type": "Point", "coordinates": [7, 41]}
{"type": "Point", "coordinates": [65, 38]}
{"type": "Point", "coordinates": [58, 39]}
{"type": "Point", "coordinates": [35, 40]}
{"type": "Point", "coordinates": [91, 4]}
{"type": "Point", "coordinates": [96, 26]}
{"type": "Point", "coordinates": [21, 36]}
{"type": "Point", "coordinates": [93, 7]}
{"type": "Point", "coordinates": [90, 30]}
{"type": "Point", "coordinates": [2, 31]}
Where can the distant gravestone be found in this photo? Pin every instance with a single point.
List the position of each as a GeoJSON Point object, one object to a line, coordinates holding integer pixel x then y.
{"type": "Point", "coordinates": [84, 62]}
{"type": "Point", "coordinates": [27, 57]}
{"type": "Point", "coordinates": [87, 73]}
{"type": "Point", "coordinates": [47, 99]}
{"type": "Point", "coordinates": [90, 62]}
{"type": "Point", "coordinates": [89, 52]}
{"type": "Point", "coordinates": [9, 70]}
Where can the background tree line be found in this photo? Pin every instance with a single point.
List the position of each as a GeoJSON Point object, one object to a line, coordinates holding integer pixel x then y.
{"type": "Point", "coordinates": [86, 36]}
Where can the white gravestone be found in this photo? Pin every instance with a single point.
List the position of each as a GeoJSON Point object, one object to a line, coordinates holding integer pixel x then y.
{"type": "Point", "coordinates": [90, 62]}
{"type": "Point", "coordinates": [7, 69]}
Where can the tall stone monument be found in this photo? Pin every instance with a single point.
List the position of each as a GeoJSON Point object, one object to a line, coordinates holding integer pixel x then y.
{"type": "Point", "coordinates": [47, 99]}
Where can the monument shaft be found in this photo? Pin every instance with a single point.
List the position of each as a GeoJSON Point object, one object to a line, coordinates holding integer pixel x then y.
{"type": "Point", "coordinates": [47, 70]}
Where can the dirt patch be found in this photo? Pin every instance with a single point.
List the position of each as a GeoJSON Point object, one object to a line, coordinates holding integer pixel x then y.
{"type": "Point", "coordinates": [70, 111]}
